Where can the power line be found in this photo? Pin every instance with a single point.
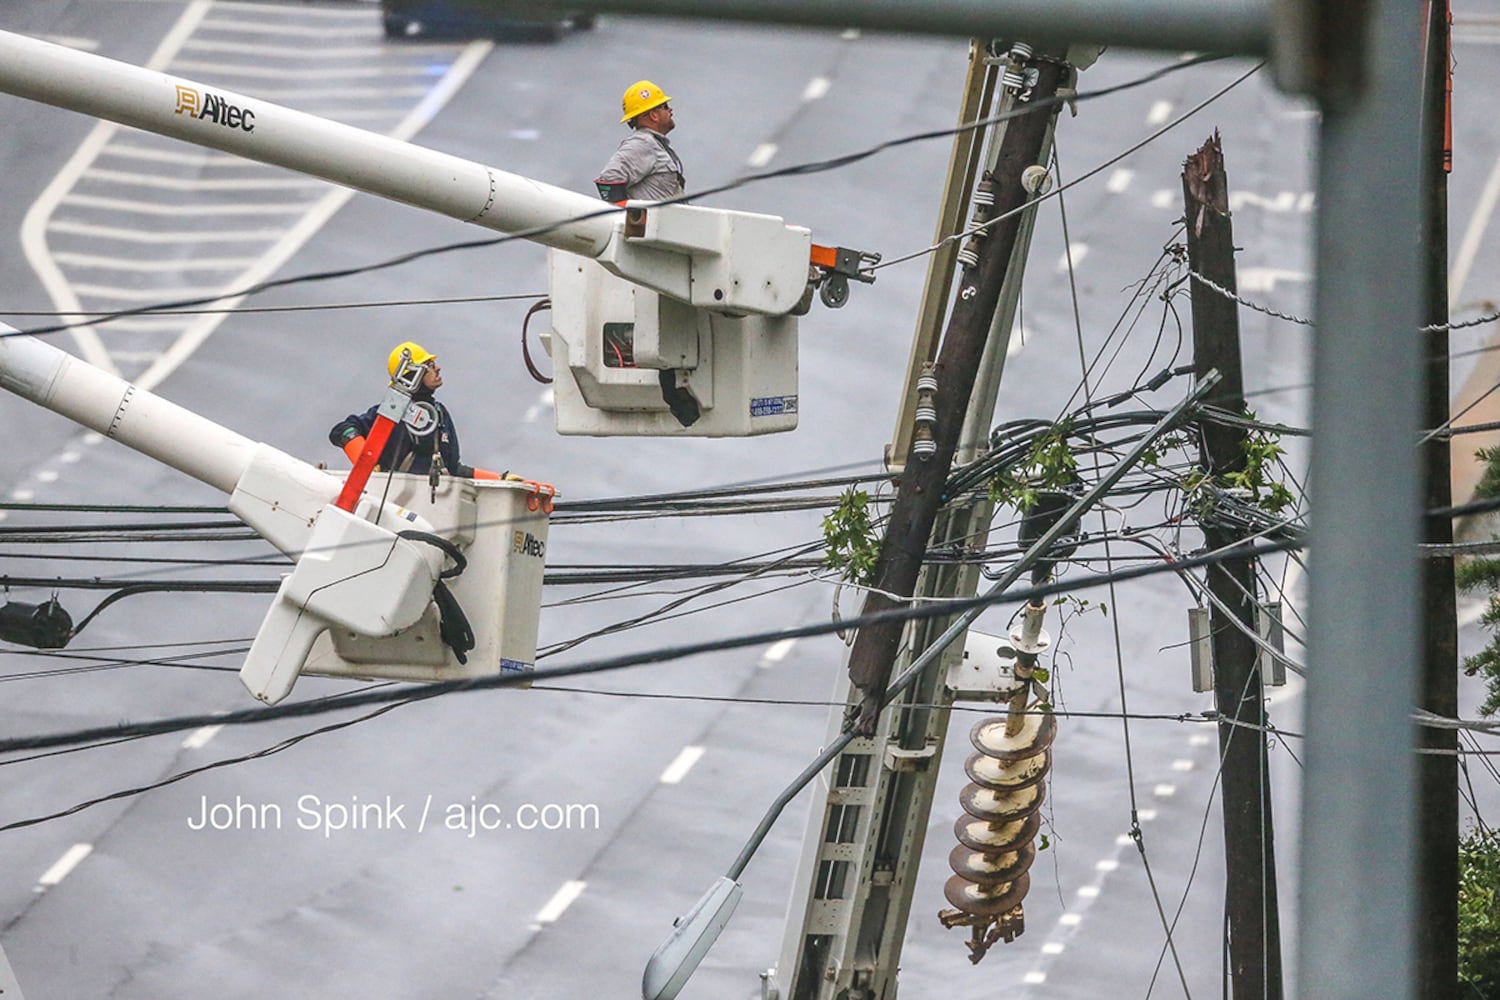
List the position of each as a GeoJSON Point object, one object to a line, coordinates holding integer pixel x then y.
{"type": "Point", "coordinates": [795, 170]}
{"type": "Point", "coordinates": [606, 664]}
{"type": "Point", "coordinates": [324, 307]}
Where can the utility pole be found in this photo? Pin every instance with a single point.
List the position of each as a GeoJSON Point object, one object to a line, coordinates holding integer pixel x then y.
{"type": "Point", "coordinates": [1437, 774]}
{"type": "Point", "coordinates": [920, 493]}
{"type": "Point", "coordinates": [1249, 848]}
{"type": "Point", "coordinates": [853, 893]}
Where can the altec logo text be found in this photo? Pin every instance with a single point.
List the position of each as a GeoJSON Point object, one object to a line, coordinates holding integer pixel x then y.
{"type": "Point", "coordinates": [527, 544]}
{"type": "Point", "coordinates": [214, 108]}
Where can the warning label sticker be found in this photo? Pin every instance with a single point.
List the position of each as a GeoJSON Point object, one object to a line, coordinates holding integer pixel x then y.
{"type": "Point", "coordinates": [773, 406]}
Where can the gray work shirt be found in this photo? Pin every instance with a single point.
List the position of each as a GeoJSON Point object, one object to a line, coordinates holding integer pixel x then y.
{"type": "Point", "coordinates": [647, 165]}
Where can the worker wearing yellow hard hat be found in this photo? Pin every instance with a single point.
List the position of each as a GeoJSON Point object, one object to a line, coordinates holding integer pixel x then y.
{"type": "Point", "coordinates": [645, 167]}
{"type": "Point", "coordinates": [426, 439]}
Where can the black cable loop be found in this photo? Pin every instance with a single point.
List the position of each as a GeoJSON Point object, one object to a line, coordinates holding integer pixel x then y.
{"type": "Point", "coordinates": [531, 367]}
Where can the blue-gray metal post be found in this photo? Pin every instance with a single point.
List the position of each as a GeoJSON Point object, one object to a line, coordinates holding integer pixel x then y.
{"type": "Point", "coordinates": [1357, 894]}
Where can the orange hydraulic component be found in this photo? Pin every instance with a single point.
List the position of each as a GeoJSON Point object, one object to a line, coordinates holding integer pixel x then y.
{"type": "Point", "coordinates": [542, 495]}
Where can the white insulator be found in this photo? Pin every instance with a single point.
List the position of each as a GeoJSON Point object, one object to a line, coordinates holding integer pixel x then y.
{"type": "Point", "coordinates": [926, 413]}
{"type": "Point", "coordinates": [968, 256]}
{"type": "Point", "coordinates": [1012, 80]}
{"type": "Point", "coordinates": [927, 382]}
{"type": "Point", "coordinates": [984, 194]}
{"type": "Point", "coordinates": [1035, 179]}
{"type": "Point", "coordinates": [924, 448]}
{"type": "Point", "coordinates": [1021, 51]}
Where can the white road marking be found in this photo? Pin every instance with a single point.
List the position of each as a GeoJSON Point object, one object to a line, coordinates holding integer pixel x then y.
{"type": "Point", "coordinates": [4, 514]}
{"type": "Point", "coordinates": [297, 30]}
{"type": "Point", "coordinates": [150, 208]}
{"type": "Point", "coordinates": [342, 114]}
{"type": "Point", "coordinates": [1163, 198]}
{"type": "Point", "coordinates": [199, 738]}
{"type": "Point", "coordinates": [146, 294]}
{"type": "Point", "coordinates": [145, 324]}
{"type": "Point", "coordinates": [536, 409]}
{"type": "Point", "coordinates": [273, 73]}
{"type": "Point", "coordinates": [816, 88]}
{"type": "Point", "coordinates": [849, 34]}
{"type": "Point", "coordinates": [194, 184]}
{"type": "Point", "coordinates": [312, 215]}
{"type": "Point", "coordinates": [1034, 978]}
{"type": "Point", "coordinates": [1285, 201]}
{"type": "Point", "coordinates": [22, 494]}
{"type": "Point", "coordinates": [1053, 948]}
{"type": "Point", "coordinates": [1075, 254]}
{"type": "Point", "coordinates": [47, 476]}
{"type": "Point", "coordinates": [1088, 891]}
{"type": "Point", "coordinates": [282, 52]}
{"type": "Point", "coordinates": [163, 236]}
{"type": "Point", "coordinates": [678, 769]}
{"type": "Point", "coordinates": [1070, 919]}
{"type": "Point", "coordinates": [1124, 840]}
{"type": "Point", "coordinates": [72, 42]}
{"type": "Point", "coordinates": [1146, 815]}
{"type": "Point", "coordinates": [1159, 113]}
{"type": "Point", "coordinates": [33, 236]}
{"type": "Point", "coordinates": [1164, 791]}
{"type": "Point", "coordinates": [65, 864]}
{"type": "Point", "coordinates": [299, 12]}
{"type": "Point", "coordinates": [1264, 279]}
{"type": "Point", "coordinates": [1107, 865]}
{"type": "Point", "coordinates": [190, 158]}
{"type": "Point", "coordinates": [1183, 765]}
{"type": "Point", "coordinates": [524, 134]}
{"type": "Point", "coordinates": [776, 652]}
{"type": "Point", "coordinates": [762, 154]}
{"type": "Point", "coordinates": [135, 264]}
{"type": "Point", "coordinates": [1200, 740]}
{"type": "Point", "coordinates": [560, 901]}
{"type": "Point", "coordinates": [1119, 180]}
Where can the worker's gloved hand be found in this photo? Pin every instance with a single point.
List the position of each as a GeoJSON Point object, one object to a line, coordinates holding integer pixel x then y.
{"type": "Point", "coordinates": [354, 447]}
{"type": "Point", "coordinates": [508, 477]}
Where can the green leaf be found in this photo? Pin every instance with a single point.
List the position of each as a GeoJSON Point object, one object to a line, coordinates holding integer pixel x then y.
{"type": "Point", "coordinates": [1041, 675]}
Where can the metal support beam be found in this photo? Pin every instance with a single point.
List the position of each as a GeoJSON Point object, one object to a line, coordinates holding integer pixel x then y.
{"type": "Point", "coordinates": [1357, 895]}
{"type": "Point", "coordinates": [1204, 25]}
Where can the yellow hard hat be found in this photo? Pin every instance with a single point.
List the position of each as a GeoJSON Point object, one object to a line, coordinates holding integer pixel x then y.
{"type": "Point", "coordinates": [419, 356]}
{"type": "Point", "coordinates": [640, 97]}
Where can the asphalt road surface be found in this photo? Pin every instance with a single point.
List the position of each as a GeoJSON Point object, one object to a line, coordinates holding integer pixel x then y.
{"type": "Point", "coordinates": [540, 843]}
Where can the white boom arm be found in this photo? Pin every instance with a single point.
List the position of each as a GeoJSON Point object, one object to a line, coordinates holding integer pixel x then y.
{"type": "Point", "coordinates": [733, 262]}
{"type": "Point", "coordinates": [350, 573]}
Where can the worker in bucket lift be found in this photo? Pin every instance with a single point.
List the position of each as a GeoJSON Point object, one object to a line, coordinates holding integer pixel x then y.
{"type": "Point", "coordinates": [426, 439]}
{"type": "Point", "coordinates": [645, 167]}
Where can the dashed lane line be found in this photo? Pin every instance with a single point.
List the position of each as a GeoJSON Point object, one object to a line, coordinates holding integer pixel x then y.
{"type": "Point", "coordinates": [1119, 180]}
{"type": "Point", "coordinates": [198, 738]}
{"type": "Point", "coordinates": [63, 866]}
{"type": "Point", "coordinates": [776, 652]}
{"type": "Point", "coordinates": [559, 903]}
{"type": "Point", "coordinates": [681, 765]}
{"type": "Point", "coordinates": [762, 154]}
